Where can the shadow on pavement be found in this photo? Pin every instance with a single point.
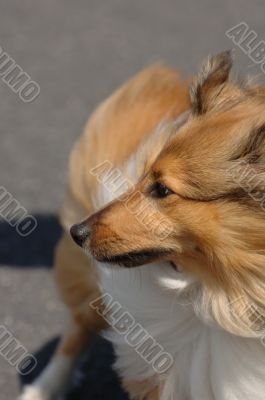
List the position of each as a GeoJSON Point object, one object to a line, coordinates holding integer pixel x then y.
{"type": "Point", "coordinates": [35, 250]}
{"type": "Point", "coordinates": [93, 377]}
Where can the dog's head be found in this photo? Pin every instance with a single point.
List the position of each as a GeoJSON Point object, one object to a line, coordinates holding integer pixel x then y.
{"type": "Point", "coordinates": [201, 202]}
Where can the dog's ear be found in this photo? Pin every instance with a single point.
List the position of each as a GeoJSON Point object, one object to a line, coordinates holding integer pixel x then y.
{"type": "Point", "coordinates": [213, 74]}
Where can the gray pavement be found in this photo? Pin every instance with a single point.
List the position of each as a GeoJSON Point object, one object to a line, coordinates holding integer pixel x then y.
{"type": "Point", "coordinates": [78, 52]}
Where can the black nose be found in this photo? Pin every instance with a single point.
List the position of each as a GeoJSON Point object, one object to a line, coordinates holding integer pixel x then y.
{"type": "Point", "coordinates": [80, 232]}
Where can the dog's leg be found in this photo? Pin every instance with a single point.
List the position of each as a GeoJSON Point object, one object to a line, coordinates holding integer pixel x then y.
{"type": "Point", "coordinates": [77, 283]}
{"type": "Point", "coordinates": [53, 380]}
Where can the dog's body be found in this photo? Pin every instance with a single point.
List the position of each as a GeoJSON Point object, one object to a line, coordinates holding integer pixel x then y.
{"type": "Point", "coordinates": [192, 311]}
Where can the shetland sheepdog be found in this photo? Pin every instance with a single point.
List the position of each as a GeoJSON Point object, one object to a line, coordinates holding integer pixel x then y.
{"type": "Point", "coordinates": [168, 183]}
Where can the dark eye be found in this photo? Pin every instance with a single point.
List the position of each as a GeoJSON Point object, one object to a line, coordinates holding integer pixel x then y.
{"type": "Point", "coordinates": [160, 191]}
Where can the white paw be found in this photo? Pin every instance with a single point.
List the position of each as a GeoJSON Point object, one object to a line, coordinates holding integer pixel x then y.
{"type": "Point", "coordinates": [31, 392]}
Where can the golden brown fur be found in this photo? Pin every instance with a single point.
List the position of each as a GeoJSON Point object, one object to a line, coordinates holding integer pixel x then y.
{"type": "Point", "coordinates": [113, 132]}
{"type": "Point", "coordinates": [216, 228]}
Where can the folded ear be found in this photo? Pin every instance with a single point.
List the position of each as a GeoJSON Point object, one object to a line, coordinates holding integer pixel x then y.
{"type": "Point", "coordinates": [213, 74]}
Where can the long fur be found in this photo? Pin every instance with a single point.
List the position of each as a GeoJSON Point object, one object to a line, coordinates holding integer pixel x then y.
{"type": "Point", "coordinates": [204, 301]}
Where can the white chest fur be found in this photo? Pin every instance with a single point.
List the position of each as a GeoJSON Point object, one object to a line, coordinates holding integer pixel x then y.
{"type": "Point", "coordinates": [209, 364]}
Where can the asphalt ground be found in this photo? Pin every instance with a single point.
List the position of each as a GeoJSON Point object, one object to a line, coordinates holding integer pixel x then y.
{"type": "Point", "coordinates": [79, 52]}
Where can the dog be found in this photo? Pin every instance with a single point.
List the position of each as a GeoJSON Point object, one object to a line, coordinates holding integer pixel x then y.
{"type": "Point", "coordinates": [168, 181]}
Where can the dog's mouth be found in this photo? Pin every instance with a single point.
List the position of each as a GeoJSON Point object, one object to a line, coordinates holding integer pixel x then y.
{"type": "Point", "coordinates": [135, 258]}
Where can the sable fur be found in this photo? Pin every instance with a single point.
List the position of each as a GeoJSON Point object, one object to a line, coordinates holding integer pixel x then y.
{"type": "Point", "coordinates": [217, 234]}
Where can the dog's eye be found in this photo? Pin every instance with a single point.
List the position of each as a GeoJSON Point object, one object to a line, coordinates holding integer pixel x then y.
{"type": "Point", "coordinates": [160, 191]}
